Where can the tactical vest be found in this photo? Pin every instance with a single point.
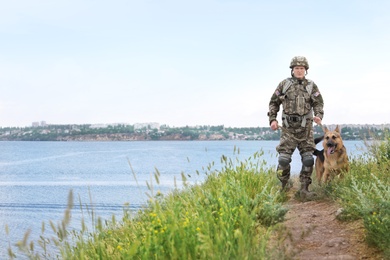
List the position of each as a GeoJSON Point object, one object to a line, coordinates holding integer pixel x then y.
{"type": "Point", "coordinates": [296, 104]}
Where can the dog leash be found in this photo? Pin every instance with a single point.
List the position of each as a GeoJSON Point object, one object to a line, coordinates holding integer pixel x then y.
{"type": "Point", "coordinates": [322, 127]}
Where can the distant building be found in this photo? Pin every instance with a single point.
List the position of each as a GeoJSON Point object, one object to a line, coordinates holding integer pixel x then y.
{"type": "Point", "coordinates": [146, 125]}
{"type": "Point", "coordinates": [99, 126]}
{"type": "Point", "coordinates": [37, 124]}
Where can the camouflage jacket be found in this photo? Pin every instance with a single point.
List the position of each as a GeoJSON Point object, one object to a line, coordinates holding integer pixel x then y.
{"type": "Point", "coordinates": [296, 100]}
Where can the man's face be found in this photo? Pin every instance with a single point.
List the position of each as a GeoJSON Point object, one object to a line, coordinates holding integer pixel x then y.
{"type": "Point", "coordinates": [299, 72]}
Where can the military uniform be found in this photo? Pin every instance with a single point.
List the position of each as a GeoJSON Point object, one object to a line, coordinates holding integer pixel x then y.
{"type": "Point", "coordinates": [300, 98]}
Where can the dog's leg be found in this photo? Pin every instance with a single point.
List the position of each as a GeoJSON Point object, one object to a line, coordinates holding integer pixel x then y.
{"type": "Point", "coordinates": [320, 175]}
{"type": "Point", "coordinates": [326, 176]}
{"type": "Point", "coordinates": [318, 172]}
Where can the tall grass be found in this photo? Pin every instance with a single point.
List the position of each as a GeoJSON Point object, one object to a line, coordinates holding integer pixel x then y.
{"type": "Point", "coordinates": [229, 216]}
{"type": "Point", "coordinates": [364, 193]}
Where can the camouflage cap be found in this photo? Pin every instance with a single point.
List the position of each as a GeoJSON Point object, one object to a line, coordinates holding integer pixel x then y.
{"type": "Point", "coordinates": [299, 61]}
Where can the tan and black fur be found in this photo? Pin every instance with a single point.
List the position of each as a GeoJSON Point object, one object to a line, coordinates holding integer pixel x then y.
{"type": "Point", "coordinates": [333, 159]}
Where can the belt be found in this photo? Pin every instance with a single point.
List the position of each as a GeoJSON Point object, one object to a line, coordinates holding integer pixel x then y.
{"type": "Point", "coordinates": [296, 118]}
{"type": "Point", "coordinates": [293, 118]}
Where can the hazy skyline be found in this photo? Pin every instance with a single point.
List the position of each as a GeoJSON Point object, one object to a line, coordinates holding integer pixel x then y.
{"type": "Point", "coordinates": [188, 62]}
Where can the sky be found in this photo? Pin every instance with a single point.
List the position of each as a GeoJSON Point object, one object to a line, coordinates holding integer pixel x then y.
{"type": "Point", "coordinates": [189, 62]}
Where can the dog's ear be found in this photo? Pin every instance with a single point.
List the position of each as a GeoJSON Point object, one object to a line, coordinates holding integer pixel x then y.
{"type": "Point", "coordinates": [325, 129]}
{"type": "Point", "coordinates": [337, 129]}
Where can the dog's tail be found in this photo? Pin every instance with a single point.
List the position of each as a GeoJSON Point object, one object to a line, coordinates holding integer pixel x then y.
{"type": "Point", "coordinates": [318, 153]}
{"type": "Point", "coordinates": [318, 139]}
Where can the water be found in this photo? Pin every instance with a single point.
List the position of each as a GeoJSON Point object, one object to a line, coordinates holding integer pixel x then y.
{"type": "Point", "coordinates": [36, 177]}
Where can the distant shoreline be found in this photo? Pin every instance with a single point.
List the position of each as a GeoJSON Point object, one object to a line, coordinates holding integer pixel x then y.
{"type": "Point", "coordinates": [166, 133]}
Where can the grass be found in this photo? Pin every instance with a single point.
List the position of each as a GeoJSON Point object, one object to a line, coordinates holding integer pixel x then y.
{"type": "Point", "coordinates": [231, 215]}
{"type": "Point", "coordinates": [364, 193]}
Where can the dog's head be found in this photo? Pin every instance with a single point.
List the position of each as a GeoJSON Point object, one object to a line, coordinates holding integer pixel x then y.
{"type": "Point", "coordinates": [332, 141]}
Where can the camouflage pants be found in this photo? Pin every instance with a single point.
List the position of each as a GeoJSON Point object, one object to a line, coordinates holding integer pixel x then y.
{"type": "Point", "coordinates": [292, 138]}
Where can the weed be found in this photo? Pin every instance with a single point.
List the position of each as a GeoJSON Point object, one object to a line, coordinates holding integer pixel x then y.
{"type": "Point", "coordinates": [230, 215]}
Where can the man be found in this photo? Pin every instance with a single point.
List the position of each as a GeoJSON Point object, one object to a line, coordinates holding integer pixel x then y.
{"type": "Point", "coordinates": [300, 98]}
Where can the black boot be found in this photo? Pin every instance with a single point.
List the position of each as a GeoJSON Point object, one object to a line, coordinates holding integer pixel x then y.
{"type": "Point", "coordinates": [284, 185]}
{"type": "Point", "coordinates": [304, 192]}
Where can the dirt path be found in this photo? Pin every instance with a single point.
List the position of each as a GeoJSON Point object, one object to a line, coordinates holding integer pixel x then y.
{"type": "Point", "coordinates": [311, 231]}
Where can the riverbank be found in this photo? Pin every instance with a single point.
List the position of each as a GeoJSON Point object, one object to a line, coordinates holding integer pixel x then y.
{"type": "Point", "coordinates": [238, 212]}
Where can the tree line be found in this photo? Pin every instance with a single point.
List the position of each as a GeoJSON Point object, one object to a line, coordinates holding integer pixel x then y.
{"type": "Point", "coordinates": [165, 132]}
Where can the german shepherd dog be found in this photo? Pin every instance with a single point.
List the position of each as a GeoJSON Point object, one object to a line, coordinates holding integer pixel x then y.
{"type": "Point", "coordinates": [333, 159]}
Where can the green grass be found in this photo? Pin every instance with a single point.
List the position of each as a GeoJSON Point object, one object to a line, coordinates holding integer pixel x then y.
{"type": "Point", "coordinates": [231, 215]}
{"type": "Point", "coordinates": [364, 193]}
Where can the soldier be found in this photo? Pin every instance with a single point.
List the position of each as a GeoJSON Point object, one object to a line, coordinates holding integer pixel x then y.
{"type": "Point", "coordinates": [299, 97]}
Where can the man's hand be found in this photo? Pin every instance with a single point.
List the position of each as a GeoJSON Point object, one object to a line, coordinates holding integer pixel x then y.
{"type": "Point", "coordinates": [274, 125]}
{"type": "Point", "coordinates": [317, 120]}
